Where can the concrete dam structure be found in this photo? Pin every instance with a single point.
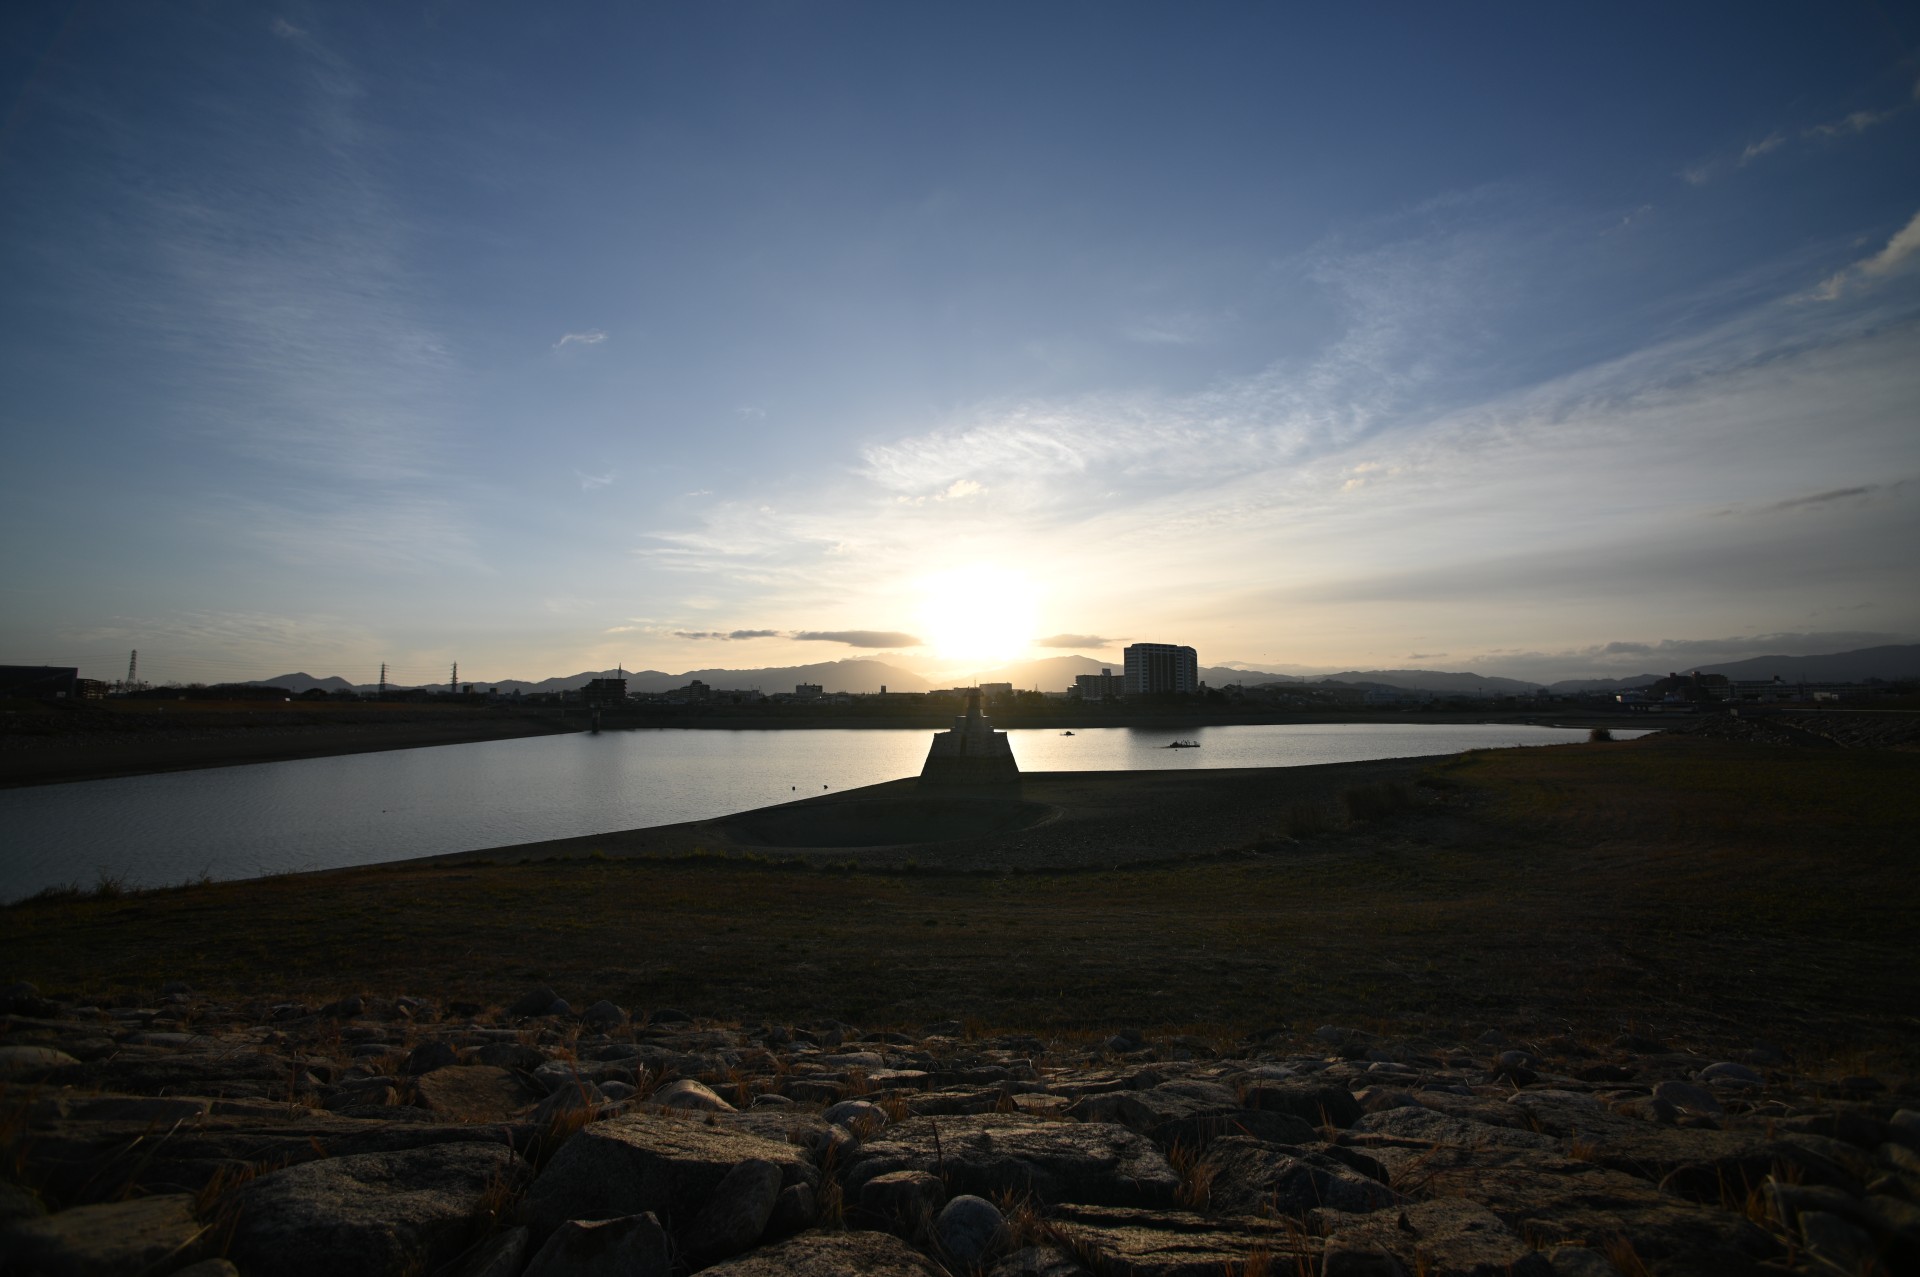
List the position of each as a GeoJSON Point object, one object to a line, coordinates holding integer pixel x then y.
{"type": "Point", "coordinates": [972, 753]}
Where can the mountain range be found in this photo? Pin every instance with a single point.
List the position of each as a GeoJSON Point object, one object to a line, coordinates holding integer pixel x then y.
{"type": "Point", "coordinates": [1056, 673]}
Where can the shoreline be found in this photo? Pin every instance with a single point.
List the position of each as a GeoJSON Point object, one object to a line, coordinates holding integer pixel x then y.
{"type": "Point", "coordinates": [58, 759]}
{"type": "Point", "coordinates": [60, 762]}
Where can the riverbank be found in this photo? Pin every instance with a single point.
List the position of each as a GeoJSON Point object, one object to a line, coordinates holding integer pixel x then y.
{"type": "Point", "coordinates": [1091, 717]}
{"type": "Point", "coordinates": [54, 744]}
{"type": "Point", "coordinates": [1647, 1005]}
{"type": "Point", "coordinates": [1669, 878]}
{"type": "Point", "coordinates": [1045, 821]}
{"type": "Point", "coordinates": [46, 744]}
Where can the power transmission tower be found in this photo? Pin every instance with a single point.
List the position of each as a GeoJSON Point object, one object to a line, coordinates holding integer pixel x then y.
{"type": "Point", "coordinates": [383, 680]}
{"type": "Point", "coordinates": [133, 667]}
{"type": "Point", "coordinates": [453, 680]}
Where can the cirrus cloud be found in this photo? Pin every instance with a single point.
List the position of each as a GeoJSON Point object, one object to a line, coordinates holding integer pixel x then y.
{"type": "Point", "coordinates": [1903, 246]}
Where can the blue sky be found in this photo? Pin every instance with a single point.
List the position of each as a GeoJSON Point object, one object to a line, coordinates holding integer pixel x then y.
{"type": "Point", "coordinates": [1525, 339]}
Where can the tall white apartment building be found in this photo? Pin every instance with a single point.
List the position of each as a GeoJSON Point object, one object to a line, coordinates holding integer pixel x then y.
{"type": "Point", "coordinates": [1161, 667]}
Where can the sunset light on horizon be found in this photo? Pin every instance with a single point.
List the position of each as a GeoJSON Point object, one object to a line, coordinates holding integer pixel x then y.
{"type": "Point", "coordinates": [697, 337]}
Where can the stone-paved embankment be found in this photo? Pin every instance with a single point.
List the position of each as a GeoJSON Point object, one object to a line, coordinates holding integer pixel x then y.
{"type": "Point", "coordinates": [190, 1136]}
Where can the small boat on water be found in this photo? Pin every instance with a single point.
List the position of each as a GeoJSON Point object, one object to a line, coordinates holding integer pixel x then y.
{"type": "Point", "coordinates": [1066, 733]}
{"type": "Point", "coordinates": [1185, 744]}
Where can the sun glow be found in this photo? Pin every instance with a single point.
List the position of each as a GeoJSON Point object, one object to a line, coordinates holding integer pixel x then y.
{"type": "Point", "coordinates": [979, 614]}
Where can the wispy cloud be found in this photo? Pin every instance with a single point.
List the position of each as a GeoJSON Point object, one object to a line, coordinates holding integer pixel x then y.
{"type": "Point", "coordinates": [859, 638]}
{"type": "Point", "coordinates": [591, 337]}
{"type": "Point", "coordinates": [263, 299]}
{"type": "Point", "coordinates": [1899, 251]}
{"type": "Point", "coordinates": [588, 482]}
{"type": "Point", "coordinates": [1181, 328]}
{"type": "Point", "coordinates": [1849, 125]}
{"type": "Point", "coordinates": [1825, 498]}
{"type": "Point", "coordinates": [958, 490]}
{"type": "Point", "coordinates": [1613, 469]}
{"type": "Point", "coordinates": [223, 646]}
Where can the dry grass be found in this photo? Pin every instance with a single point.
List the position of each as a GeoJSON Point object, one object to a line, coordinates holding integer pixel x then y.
{"type": "Point", "coordinates": [1196, 1178]}
{"type": "Point", "coordinates": [1621, 1254]}
{"type": "Point", "coordinates": [1699, 889]}
{"type": "Point", "coordinates": [1369, 803]}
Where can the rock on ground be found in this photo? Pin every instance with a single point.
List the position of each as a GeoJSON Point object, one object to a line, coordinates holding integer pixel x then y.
{"type": "Point", "coordinates": [137, 1236]}
{"type": "Point", "coordinates": [969, 1229]}
{"type": "Point", "coordinates": [472, 1093]}
{"type": "Point", "coordinates": [632, 1246]}
{"type": "Point", "coordinates": [370, 1213]}
{"type": "Point", "coordinates": [856, 1254]}
{"type": "Point", "coordinates": [990, 1153]}
{"type": "Point", "coordinates": [737, 1212]}
{"type": "Point", "coordinates": [1174, 1243]}
{"type": "Point", "coordinates": [1449, 1237]}
{"type": "Point", "coordinates": [1252, 1177]}
{"type": "Point", "coordinates": [669, 1165]}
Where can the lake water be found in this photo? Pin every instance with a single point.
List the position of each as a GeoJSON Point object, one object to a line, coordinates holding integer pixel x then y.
{"type": "Point", "coordinates": [321, 813]}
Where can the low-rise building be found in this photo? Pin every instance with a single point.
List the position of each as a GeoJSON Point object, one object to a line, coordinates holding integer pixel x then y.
{"type": "Point", "coordinates": [1104, 686]}
{"type": "Point", "coordinates": [38, 682]}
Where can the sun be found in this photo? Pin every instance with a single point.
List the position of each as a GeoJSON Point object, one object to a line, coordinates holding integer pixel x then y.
{"type": "Point", "coordinates": [978, 614]}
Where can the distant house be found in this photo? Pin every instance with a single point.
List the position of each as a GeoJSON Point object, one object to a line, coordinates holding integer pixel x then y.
{"type": "Point", "coordinates": [807, 692]}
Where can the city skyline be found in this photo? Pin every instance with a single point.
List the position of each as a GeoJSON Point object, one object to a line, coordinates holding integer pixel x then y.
{"type": "Point", "coordinates": [744, 338]}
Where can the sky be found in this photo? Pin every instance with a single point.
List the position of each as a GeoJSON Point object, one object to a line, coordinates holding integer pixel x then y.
{"type": "Point", "coordinates": [1546, 341]}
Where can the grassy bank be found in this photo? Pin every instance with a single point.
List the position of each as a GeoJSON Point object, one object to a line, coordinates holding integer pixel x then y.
{"type": "Point", "coordinates": [1704, 890]}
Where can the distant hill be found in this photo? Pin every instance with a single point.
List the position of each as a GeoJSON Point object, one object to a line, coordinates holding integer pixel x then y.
{"type": "Point", "coordinates": [1570, 685]}
{"type": "Point", "coordinates": [1900, 660]}
{"type": "Point", "coordinates": [1048, 674]}
{"type": "Point", "coordinates": [1056, 674]}
{"type": "Point", "coordinates": [1435, 681]}
{"type": "Point", "coordinates": [297, 683]}
{"type": "Point", "coordinates": [1222, 675]}
{"type": "Point", "coordinates": [856, 674]}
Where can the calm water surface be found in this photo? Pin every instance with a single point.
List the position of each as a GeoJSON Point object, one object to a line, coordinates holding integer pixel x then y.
{"type": "Point", "coordinates": [321, 813]}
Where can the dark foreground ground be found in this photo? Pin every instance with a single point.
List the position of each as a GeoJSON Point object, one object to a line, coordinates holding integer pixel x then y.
{"type": "Point", "coordinates": [1608, 1008]}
